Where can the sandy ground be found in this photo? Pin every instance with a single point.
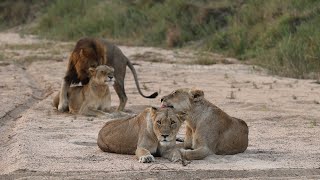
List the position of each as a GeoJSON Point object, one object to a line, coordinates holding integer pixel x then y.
{"type": "Point", "coordinates": [37, 142]}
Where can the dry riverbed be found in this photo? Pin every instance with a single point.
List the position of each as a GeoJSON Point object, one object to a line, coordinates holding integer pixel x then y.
{"type": "Point", "coordinates": [283, 116]}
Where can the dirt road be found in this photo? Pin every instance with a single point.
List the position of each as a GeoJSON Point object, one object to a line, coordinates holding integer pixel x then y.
{"type": "Point", "coordinates": [36, 141]}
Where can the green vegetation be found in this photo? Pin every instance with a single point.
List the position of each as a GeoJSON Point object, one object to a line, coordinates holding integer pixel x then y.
{"type": "Point", "coordinates": [1, 57]}
{"type": "Point", "coordinates": [281, 35]}
{"type": "Point", "coordinates": [205, 60]}
{"type": "Point", "coordinates": [13, 13]}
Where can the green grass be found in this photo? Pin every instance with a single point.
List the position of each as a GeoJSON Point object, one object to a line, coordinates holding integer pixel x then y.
{"type": "Point", "coordinates": [14, 13]}
{"type": "Point", "coordinates": [281, 35]}
{"type": "Point", "coordinates": [205, 60]}
{"type": "Point", "coordinates": [2, 57]}
{"type": "Point", "coordinates": [297, 53]}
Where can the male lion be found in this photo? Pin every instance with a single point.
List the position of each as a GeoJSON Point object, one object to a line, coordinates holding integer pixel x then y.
{"type": "Point", "coordinates": [151, 132]}
{"type": "Point", "coordinates": [90, 52]}
{"type": "Point", "coordinates": [208, 129]}
{"type": "Point", "coordinates": [94, 98]}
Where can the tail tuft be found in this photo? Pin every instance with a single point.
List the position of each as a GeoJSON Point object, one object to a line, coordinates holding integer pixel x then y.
{"type": "Point", "coordinates": [154, 95]}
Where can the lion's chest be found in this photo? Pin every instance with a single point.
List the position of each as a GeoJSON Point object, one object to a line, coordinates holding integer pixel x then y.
{"type": "Point", "coordinates": [153, 150]}
{"type": "Point", "coordinates": [100, 103]}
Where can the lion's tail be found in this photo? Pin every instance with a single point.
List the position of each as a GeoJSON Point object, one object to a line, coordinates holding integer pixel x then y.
{"type": "Point", "coordinates": [154, 95]}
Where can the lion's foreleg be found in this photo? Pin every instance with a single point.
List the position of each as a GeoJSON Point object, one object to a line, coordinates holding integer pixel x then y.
{"type": "Point", "coordinates": [199, 153]}
{"type": "Point", "coordinates": [144, 155]}
{"type": "Point", "coordinates": [90, 111]}
{"type": "Point", "coordinates": [106, 107]}
{"type": "Point", "coordinates": [173, 155]}
{"type": "Point", "coordinates": [95, 112]}
{"type": "Point", "coordinates": [63, 98]}
{"type": "Point", "coordinates": [188, 138]}
{"type": "Point", "coordinates": [56, 100]}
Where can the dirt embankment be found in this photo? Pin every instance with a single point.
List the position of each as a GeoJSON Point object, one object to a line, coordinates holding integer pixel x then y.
{"type": "Point", "coordinates": [35, 141]}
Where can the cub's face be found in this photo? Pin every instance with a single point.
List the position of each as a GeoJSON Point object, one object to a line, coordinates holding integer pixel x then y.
{"type": "Point", "coordinates": [178, 100]}
{"type": "Point", "coordinates": [102, 74]}
{"type": "Point", "coordinates": [166, 124]}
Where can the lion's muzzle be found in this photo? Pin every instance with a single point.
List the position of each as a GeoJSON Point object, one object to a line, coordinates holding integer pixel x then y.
{"type": "Point", "coordinates": [110, 81]}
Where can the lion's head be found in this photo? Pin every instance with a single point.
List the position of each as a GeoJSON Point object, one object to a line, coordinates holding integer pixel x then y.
{"type": "Point", "coordinates": [102, 74]}
{"type": "Point", "coordinates": [166, 124]}
{"type": "Point", "coordinates": [87, 53]}
{"type": "Point", "coordinates": [181, 99]}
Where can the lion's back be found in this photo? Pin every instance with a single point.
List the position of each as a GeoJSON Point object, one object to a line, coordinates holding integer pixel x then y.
{"type": "Point", "coordinates": [119, 136]}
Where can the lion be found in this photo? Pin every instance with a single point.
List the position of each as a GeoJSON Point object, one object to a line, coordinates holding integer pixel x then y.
{"type": "Point", "coordinates": [91, 52]}
{"type": "Point", "coordinates": [152, 132]}
{"type": "Point", "coordinates": [94, 98]}
{"type": "Point", "coordinates": [208, 129]}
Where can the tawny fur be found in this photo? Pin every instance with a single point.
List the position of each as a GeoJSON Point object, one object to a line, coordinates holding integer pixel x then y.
{"type": "Point", "coordinates": [91, 52]}
{"type": "Point", "coordinates": [208, 129]}
{"type": "Point", "coordinates": [143, 135]}
{"type": "Point", "coordinates": [94, 98]}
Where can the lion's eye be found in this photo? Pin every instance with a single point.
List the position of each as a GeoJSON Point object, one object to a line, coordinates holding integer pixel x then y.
{"type": "Point", "coordinates": [159, 122]}
{"type": "Point", "coordinates": [172, 122]}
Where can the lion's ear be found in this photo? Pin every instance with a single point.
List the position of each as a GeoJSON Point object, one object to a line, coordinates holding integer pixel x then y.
{"type": "Point", "coordinates": [153, 111]}
{"type": "Point", "coordinates": [196, 94]}
{"type": "Point", "coordinates": [92, 71]}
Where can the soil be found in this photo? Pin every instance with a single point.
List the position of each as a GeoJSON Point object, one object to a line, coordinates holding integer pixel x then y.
{"type": "Point", "coordinates": [38, 142]}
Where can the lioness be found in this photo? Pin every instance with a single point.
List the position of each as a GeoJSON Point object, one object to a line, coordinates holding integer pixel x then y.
{"type": "Point", "coordinates": [91, 52]}
{"type": "Point", "coordinates": [208, 129]}
{"type": "Point", "coordinates": [152, 132]}
{"type": "Point", "coordinates": [93, 99]}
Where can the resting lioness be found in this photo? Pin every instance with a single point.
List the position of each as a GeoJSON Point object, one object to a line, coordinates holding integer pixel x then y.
{"type": "Point", "coordinates": [93, 99]}
{"type": "Point", "coordinates": [152, 132]}
{"type": "Point", "coordinates": [208, 129]}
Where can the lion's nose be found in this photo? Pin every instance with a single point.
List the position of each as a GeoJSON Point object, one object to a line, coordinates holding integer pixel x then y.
{"type": "Point", "coordinates": [164, 136]}
{"type": "Point", "coordinates": [110, 77]}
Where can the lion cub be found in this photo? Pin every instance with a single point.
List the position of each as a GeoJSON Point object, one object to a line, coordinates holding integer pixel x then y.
{"type": "Point", "coordinates": [152, 132]}
{"type": "Point", "coordinates": [94, 98]}
{"type": "Point", "coordinates": [208, 129]}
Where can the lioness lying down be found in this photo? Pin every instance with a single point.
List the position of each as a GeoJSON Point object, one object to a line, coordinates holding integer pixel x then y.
{"type": "Point", "coordinates": [152, 132]}
{"type": "Point", "coordinates": [208, 129]}
{"type": "Point", "coordinates": [94, 98]}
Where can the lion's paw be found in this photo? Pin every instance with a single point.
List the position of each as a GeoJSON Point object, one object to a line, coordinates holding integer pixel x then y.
{"type": "Point", "coordinates": [62, 107]}
{"type": "Point", "coordinates": [183, 152]}
{"type": "Point", "coordinates": [176, 157]}
{"type": "Point", "coordinates": [146, 159]}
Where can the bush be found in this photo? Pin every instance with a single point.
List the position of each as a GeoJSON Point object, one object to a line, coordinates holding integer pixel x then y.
{"type": "Point", "coordinates": [281, 35]}
{"type": "Point", "coordinates": [13, 13]}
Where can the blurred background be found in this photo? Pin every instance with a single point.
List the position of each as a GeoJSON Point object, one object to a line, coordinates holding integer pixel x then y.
{"type": "Point", "coordinates": [280, 35]}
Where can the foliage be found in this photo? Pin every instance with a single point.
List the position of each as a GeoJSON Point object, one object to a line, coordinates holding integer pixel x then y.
{"type": "Point", "coordinates": [281, 35]}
